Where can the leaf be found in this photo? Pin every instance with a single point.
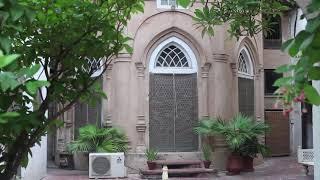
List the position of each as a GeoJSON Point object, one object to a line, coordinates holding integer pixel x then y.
{"type": "Point", "coordinates": [314, 73]}
{"type": "Point", "coordinates": [33, 86]}
{"type": "Point", "coordinates": [9, 115]}
{"type": "Point", "coordinates": [6, 60]}
{"type": "Point", "coordinates": [184, 3]}
{"type": "Point", "coordinates": [5, 44]}
{"type": "Point", "coordinates": [16, 12]}
{"type": "Point", "coordinates": [8, 81]}
{"type": "Point", "coordinates": [30, 71]}
{"type": "Point", "coordinates": [284, 68]}
{"type": "Point", "coordinates": [312, 95]}
{"type": "Point", "coordinates": [283, 81]}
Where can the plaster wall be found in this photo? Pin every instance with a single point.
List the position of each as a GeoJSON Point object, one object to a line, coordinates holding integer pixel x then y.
{"type": "Point", "coordinates": [127, 82]}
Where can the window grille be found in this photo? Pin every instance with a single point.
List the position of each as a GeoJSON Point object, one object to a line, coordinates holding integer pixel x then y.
{"type": "Point", "coordinates": [243, 65]}
{"type": "Point", "coordinates": [273, 37]}
{"type": "Point", "coordinates": [245, 68]}
{"type": "Point", "coordinates": [172, 56]}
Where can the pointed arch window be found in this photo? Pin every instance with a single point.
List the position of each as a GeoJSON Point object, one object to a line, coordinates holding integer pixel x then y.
{"type": "Point", "coordinates": [172, 56]}
{"type": "Point", "coordinates": [245, 64]}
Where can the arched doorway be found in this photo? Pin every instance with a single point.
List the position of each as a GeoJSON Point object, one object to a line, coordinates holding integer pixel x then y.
{"type": "Point", "coordinates": [173, 104]}
{"type": "Point", "coordinates": [246, 84]}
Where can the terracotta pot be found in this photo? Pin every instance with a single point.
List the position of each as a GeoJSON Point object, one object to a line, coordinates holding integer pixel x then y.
{"type": "Point", "coordinates": [151, 165]}
{"type": "Point", "coordinates": [234, 164]}
{"type": "Point", "coordinates": [206, 164]}
{"type": "Point", "coordinates": [247, 164]}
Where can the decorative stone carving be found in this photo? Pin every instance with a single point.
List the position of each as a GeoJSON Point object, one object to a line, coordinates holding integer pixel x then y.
{"type": "Point", "coordinates": [219, 57]}
{"type": "Point", "coordinates": [140, 69]}
{"type": "Point", "coordinates": [141, 130]}
{"type": "Point", "coordinates": [205, 70]}
{"type": "Point", "coordinates": [108, 122]}
{"type": "Point", "coordinates": [109, 71]}
{"type": "Point", "coordinates": [234, 68]}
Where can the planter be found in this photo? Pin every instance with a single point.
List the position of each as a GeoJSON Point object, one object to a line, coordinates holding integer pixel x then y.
{"type": "Point", "coordinates": [234, 164]}
{"type": "Point", "coordinates": [247, 164]}
{"type": "Point", "coordinates": [206, 164]}
{"type": "Point", "coordinates": [81, 161]}
{"type": "Point", "coordinates": [151, 165]}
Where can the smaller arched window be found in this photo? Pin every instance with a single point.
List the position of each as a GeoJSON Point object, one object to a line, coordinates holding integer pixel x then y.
{"type": "Point", "coordinates": [245, 68]}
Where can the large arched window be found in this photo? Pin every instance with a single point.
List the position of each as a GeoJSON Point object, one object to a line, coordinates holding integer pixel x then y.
{"type": "Point", "coordinates": [173, 56]}
{"type": "Point", "coordinates": [246, 84]}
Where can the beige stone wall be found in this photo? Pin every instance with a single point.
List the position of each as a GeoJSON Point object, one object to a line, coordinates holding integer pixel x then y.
{"type": "Point", "coordinates": [127, 81]}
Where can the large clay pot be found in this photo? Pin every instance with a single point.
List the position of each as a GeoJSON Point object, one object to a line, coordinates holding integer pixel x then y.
{"type": "Point", "coordinates": [248, 164]}
{"type": "Point", "coordinates": [206, 164]}
{"type": "Point", "coordinates": [151, 165]}
{"type": "Point", "coordinates": [234, 164]}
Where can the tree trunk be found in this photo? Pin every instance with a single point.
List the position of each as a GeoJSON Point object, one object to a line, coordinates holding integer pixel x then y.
{"type": "Point", "coordinates": [15, 155]}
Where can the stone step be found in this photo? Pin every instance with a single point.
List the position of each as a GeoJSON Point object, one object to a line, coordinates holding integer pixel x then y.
{"type": "Point", "coordinates": [178, 162]}
{"type": "Point", "coordinates": [186, 172]}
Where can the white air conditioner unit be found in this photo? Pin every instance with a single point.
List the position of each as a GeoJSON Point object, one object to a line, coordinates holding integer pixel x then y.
{"type": "Point", "coordinates": [107, 165]}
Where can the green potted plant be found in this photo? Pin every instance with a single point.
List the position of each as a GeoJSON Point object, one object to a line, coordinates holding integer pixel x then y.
{"type": "Point", "coordinates": [207, 154]}
{"type": "Point", "coordinates": [98, 140]}
{"type": "Point", "coordinates": [236, 132]}
{"type": "Point", "coordinates": [249, 150]}
{"type": "Point", "coordinates": [151, 155]}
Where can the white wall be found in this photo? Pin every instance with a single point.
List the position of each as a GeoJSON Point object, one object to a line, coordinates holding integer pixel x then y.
{"type": "Point", "coordinates": [295, 116]}
{"type": "Point", "coordinates": [37, 166]}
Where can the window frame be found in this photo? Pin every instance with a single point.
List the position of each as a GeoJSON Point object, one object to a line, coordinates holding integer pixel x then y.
{"type": "Point", "coordinates": [160, 6]}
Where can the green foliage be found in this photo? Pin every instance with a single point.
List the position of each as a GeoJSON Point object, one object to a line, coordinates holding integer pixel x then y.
{"type": "Point", "coordinates": [243, 16]}
{"type": "Point", "coordinates": [305, 48]}
{"type": "Point", "coordinates": [252, 147]}
{"type": "Point", "coordinates": [94, 139]}
{"type": "Point", "coordinates": [58, 38]}
{"type": "Point", "coordinates": [236, 131]}
{"type": "Point", "coordinates": [151, 154]}
{"type": "Point", "coordinates": [207, 152]}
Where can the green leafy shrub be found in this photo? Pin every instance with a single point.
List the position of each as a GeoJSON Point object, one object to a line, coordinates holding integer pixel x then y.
{"type": "Point", "coordinates": [151, 154]}
{"type": "Point", "coordinates": [207, 152]}
{"type": "Point", "coordinates": [94, 139]}
{"type": "Point", "coordinates": [236, 131]}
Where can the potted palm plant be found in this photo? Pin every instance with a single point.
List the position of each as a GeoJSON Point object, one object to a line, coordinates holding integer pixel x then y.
{"type": "Point", "coordinates": [98, 140]}
{"type": "Point", "coordinates": [236, 133]}
{"type": "Point", "coordinates": [207, 154]}
{"type": "Point", "coordinates": [249, 150]}
{"type": "Point", "coordinates": [151, 155]}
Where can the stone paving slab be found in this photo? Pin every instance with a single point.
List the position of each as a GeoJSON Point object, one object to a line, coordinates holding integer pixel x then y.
{"type": "Point", "coordinates": [280, 168]}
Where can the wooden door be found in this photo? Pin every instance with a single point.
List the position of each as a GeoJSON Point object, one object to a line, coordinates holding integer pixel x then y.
{"type": "Point", "coordinates": [278, 139]}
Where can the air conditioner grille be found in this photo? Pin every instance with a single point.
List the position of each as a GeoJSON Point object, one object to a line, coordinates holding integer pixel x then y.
{"type": "Point", "coordinates": [101, 165]}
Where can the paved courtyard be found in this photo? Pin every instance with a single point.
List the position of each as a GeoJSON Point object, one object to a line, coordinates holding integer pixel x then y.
{"type": "Point", "coordinates": [281, 168]}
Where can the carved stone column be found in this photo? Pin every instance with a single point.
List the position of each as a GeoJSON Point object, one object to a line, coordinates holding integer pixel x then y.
{"type": "Point", "coordinates": [141, 125]}
{"type": "Point", "coordinates": [107, 84]}
{"type": "Point", "coordinates": [204, 94]}
{"type": "Point", "coordinates": [223, 104]}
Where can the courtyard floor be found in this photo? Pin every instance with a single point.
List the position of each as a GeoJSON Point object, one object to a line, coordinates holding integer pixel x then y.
{"type": "Point", "coordinates": [280, 168]}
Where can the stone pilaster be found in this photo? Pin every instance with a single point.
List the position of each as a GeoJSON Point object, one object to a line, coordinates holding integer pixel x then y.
{"type": "Point", "coordinates": [106, 108]}
{"type": "Point", "coordinates": [205, 76]}
{"type": "Point", "coordinates": [141, 125]}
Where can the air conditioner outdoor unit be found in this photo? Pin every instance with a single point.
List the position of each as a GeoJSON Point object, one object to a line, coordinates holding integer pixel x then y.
{"type": "Point", "coordinates": [106, 165]}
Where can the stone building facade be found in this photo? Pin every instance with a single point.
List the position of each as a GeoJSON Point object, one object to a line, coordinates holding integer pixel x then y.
{"type": "Point", "coordinates": [173, 78]}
